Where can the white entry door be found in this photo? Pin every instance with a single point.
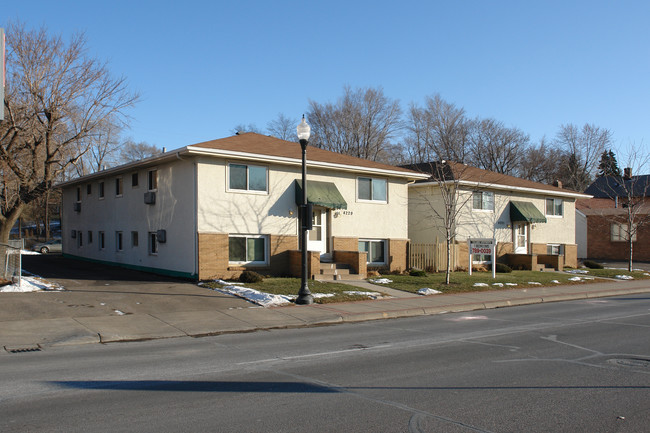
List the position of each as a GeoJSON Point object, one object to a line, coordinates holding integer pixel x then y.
{"type": "Point", "coordinates": [520, 234]}
{"type": "Point", "coordinates": [317, 240]}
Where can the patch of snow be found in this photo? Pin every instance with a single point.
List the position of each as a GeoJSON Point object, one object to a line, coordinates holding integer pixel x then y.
{"type": "Point", "coordinates": [646, 274]}
{"type": "Point", "coordinates": [624, 277]}
{"type": "Point", "coordinates": [511, 284]}
{"type": "Point", "coordinates": [498, 284]}
{"type": "Point", "coordinates": [30, 284]}
{"type": "Point", "coordinates": [381, 281]}
{"type": "Point", "coordinates": [428, 291]}
{"type": "Point", "coordinates": [555, 281]}
{"type": "Point", "coordinates": [480, 285]}
{"type": "Point", "coordinates": [577, 271]}
{"type": "Point", "coordinates": [29, 253]}
{"type": "Point", "coordinates": [120, 313]}
{"type": "Point", "coordinates": [575, 279]}
{"type": "Point", "coordinates": [371, 295]}
{"type": "Point", "coordinates": [255, 296]}
{"type": "Point", "coordinates": [534, 283]}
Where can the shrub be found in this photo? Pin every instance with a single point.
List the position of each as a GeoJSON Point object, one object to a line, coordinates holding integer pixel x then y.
{"type": "Point", "coordinates": [503, 269]}
{"type": "Point", "coordinates": [417, 273]}
{"type": "Point", "coordinates": [592, 265]}
{"type": "Point", "coordinates": [250, 277]}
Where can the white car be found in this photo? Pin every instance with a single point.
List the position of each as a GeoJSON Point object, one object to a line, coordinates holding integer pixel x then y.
{"type": "Point", "coordinates": [52, 246]}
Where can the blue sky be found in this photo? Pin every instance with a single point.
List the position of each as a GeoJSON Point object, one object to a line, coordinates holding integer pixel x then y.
{"type": "Point", "coordinates": [203, 67]}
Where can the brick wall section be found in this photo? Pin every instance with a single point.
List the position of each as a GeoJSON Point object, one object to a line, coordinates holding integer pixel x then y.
{"type": "Point", "coordinates": [295, 263]}
{"type": "Point", "coordinates": [554, 261]}
{"type": "Point", "coordinates": [571, 255]}
{"type": "Point", "coordinates": [538, 248]}
{"type": "Point", "coordinates": [600, 246]}
{"type": "Point", "coordinates": [279, 250]}
{"type": "Point", "coordinates": [397, 255]}
{"type": "Point", "coordinates": [213, 263]}
{"type": "Point", "coordinates": [357, 260]}
{"type": "Point", "coordinates": [345, 244]}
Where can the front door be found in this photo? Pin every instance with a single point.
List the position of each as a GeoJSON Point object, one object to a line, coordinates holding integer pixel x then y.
{"type": "Point", "coordinates": [520, 234]}
{"type": "Point", "coordinates": [317, 240]}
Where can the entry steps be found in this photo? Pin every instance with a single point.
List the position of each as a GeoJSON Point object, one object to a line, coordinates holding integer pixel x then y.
{"type": "Point", "coordinates": [337, 271]}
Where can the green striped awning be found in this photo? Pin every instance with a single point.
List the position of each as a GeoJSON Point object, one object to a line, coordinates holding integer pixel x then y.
{"type": "Point", "coordinates": [525, 211]}
{"type": "Point", "coordinates": [324, 194]}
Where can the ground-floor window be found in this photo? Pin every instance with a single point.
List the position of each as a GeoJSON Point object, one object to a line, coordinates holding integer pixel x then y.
{"type": "Point", "coordinates": [376, 249]}
{"type": "Point", "coordinates": [250, 249]}
{"type": "Point", "coordinates": [554, 249]}
{"type": "Point", "coordinates": [153, 243]}
{"type": "Point", "coordinates": [101, 239]}
{"type": "Point", "coordinates": [621, 232]}
{"type": "Point", "coordinates": [134, 239]}
{"type": "Point", "coordinates": [119, 241]}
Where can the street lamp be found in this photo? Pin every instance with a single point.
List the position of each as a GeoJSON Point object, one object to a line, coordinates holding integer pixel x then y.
{"type": "Point", "coordinates": [304, 295]}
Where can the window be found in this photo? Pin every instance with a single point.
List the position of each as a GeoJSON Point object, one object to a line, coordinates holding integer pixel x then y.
{"type": "Point", "coordinates": [247, 249]}
{"type": "Point", "coordinates": [101, 190]}
{"type": "Point", "coordinates": [620, 232]}
{"type": "Point", "coordinates": [80, 240]}
{"type": "Point", "coordinates": [152, 180]}
{"type": "Point", "coordinates": [247, 177]}
{"type": "Point", "coordinates": [134, 239]}
{"type": "Point", "coordinates": [371, 189]}
{"type": "Point", "coordinates": [375, 249]}
{"type": "Point", "coordinates": [90, 236]}
{"type": "Point", "coordinates": [483, 200]}
{"type": "Point", "coordinates": [118, 187]}
{"type": "Point", "coordinates": [78, 194]}
{"type": "Point", "coordinates": [554, 207]}
{"type": "Point", "coordinates": [89, 189]}
{"type": "Point", "coordinates": [554, 249]}
{"type": "Point", "coordinates": [118, 241]}
{"type": "Point", "coordinates": [134, 180]}
{"type": "Point", "coordinates": [153, 243]}
{"type": "Point", "coordinates": [100, 240]}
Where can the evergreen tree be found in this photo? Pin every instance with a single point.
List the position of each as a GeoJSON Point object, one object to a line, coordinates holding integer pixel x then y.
{"type": "Point", "coordinates": [608, 165]}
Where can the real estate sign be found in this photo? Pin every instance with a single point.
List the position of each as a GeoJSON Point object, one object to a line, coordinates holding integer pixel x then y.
{"type": "Point", "coordinates": [483, 246]}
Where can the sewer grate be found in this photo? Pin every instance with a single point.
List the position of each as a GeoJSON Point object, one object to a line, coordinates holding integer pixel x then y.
{"type": "Point", "coordinates": [27, 349]}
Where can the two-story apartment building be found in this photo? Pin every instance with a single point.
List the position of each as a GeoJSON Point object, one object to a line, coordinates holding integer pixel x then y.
{"type": "Point", "coordinates": [533, 223]}
{"type": "Point", "coordinates": [216, 208]}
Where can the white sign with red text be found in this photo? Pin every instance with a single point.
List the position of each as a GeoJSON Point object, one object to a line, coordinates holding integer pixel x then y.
{"type": "Point", "coordinates": [483, 246]}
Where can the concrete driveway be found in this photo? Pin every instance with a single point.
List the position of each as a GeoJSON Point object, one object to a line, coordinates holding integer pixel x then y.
{"type": "Point", "coordinates": [93, 289]}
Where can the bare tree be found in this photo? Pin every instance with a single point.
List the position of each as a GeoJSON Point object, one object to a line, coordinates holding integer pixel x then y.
{"type": "Point", "coordinates": [132, 151]}
{"type": "Point", "coordinates": [56, 97]}
{"type": "Point", "coordinates": [241, 128]}
{"type": "Point", "coordinates": [495, 147]}
{"type": "Point", "coordinates": [283, 127]}
{"type": "Point", "coordinates": [437, 131]}
{"type": "Point", "coordinates": [362, 123]}
{"type": "Point", "coordinates": [102, 149]}
{"type": "Point", "coordinates": [540, 163]}
{"type": "Point", "coordinates": [583, 147]}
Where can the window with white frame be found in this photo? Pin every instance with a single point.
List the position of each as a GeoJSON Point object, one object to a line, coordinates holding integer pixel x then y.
{"type": "Point", "coordinates": [554, 249]}
{"type": "Point", "coordinates": [376, 249]}
{"type": "Point", "coordinates": [89, 189]}
{"type": "Point", "coordinates": [152, 180]}
{"type": "Point", "coordinates": [554, 207]}
{"type": "Point", "coordinates": [372, 189]}
{"type": "Point", "coordinates": [78, 194]}
{"type": "Point", "coordinates": [134, 180]}
{"type": "Point", "coordinates": [621, 232]}
{"type": "Point", "coordinates": [242, 177]}
{"type": "Point", "coordinates": [101, 190]}
{"type": "Point", "coordinates": [153, 243]}
{"type": "Point", "coordinates": [119, 187]}
{"type": "Point", "coordinates": [134, 239]}
{"type": "Point", "coordinates": [247, 249]}
{"type": "Point", "coordinates": [483, 200]}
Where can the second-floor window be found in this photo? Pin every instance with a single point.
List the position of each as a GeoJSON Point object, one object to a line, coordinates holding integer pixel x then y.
{"type": "Point", "coordinates": [101, 189]}
{"type": "Point", "coordinates": [247, 177]}
{"type": "Point", "coordinates": [554, 207]}
{"type": "Point", "coordinates": [483, 200]}
{"type": "Point", "coordinates": [371, 189]}
{"type": "Point", "coordinates": [152, 180]}
{"type": "Point", "coordinates": [118, 187]}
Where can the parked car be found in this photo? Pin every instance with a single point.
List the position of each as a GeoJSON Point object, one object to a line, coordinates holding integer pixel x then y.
{"type": "Point", "coordinates": [52, 246]}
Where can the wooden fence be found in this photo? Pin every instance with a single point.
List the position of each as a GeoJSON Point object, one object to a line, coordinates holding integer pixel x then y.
{"type": "Point", "coordinates": [431, 257]}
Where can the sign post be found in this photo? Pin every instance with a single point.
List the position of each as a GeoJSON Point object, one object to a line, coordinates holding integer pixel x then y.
{"type": "Point", "coordinates": [483, 246]}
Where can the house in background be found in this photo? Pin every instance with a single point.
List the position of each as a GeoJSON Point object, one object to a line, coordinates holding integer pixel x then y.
{"type": "Point", "coordinates": [607, 228]}
{"type": "Point", "coordinates": [533, 223]}
{"type": "Point", "coordinates": [214, 209]}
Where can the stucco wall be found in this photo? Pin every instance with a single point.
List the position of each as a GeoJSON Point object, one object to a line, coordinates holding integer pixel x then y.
{"type": "Point", "coordinates": [173, 212]}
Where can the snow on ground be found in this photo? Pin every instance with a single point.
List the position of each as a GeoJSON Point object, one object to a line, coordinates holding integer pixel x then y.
{"type": "Point", "coordinates": [371, 295]}
{"type": "Point", "coordinates": [534, 283]}
{"type": "Point", "coordinates": [480, 285]}
{"type": "Point", "coordinates": [624, 277]}
{"type": "Point", "coordinates": [577, 271]}
{"type": "Point", "coordinates": [30, 284]}
{"type": "Point", "coordinates": [381, 281]}
{"type": "Point", "coordinates": [29, 253]}
{"type": "Point", "coordinates": [511, 284]}
{"type": "Point", "coordinates": [428, 291]}
{"type": "Point", "coordinates": [555, 281]}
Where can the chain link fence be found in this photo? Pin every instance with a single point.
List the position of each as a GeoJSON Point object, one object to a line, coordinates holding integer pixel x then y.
{"type": "Point", "coordinates": [11, 260]}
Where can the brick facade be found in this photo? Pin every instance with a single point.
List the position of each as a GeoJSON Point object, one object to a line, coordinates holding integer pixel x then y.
{"type": "Point", "coordinates": [397, 255]}
{"type": "Point", "coordinates": [600, 246]}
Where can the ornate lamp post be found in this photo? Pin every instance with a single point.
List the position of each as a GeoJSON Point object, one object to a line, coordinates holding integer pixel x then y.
{"type": "Point", "coordinates": [304, 295]}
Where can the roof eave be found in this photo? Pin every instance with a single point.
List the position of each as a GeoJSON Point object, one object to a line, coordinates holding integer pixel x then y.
{"type": "Point", "coordinates": [540, 191]}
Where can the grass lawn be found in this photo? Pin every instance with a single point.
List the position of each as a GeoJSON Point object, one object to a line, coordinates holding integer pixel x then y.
{"type": "Point", "coordinates": [290, 286]}
{"type": "Point", "coordinates": [463, 282]}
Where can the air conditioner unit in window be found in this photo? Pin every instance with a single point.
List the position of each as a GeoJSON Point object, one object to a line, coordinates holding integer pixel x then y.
{"type": "Point", "coordinates": [77, 207]}
{"type": "Point", "coordinates": [161, 235]}
{"type": "Point", "coordinates": [150, 197]}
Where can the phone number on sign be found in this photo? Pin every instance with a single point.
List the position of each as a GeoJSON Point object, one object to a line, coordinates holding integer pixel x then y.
{"type": "Point", "coordinates": [481, 250]}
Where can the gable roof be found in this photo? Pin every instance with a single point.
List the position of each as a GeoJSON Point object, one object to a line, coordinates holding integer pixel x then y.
{"type": "Point", "coordinates": [261, 148]}
{"type": "Point", "coordinates": [469, 176]}
{"type": "Point", "coordinates": [614, 186]}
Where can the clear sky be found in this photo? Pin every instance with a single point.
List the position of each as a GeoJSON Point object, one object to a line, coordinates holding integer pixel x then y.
{"type": "Point", "coordinates": [203, 67]}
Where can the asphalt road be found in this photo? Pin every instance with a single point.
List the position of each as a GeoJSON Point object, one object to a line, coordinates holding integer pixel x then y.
{"type": "Point", "coordinates": [569, 366]}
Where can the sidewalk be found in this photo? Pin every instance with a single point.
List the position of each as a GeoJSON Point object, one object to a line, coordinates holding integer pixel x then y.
{"type": "Point", "coordinates": [226, 317]}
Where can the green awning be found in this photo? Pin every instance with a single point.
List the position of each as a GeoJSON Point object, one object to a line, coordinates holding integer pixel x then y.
{"type": "Point", "coordinates": [525, 211]}
{"type": "Point", "coordinates": [324, 194]}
